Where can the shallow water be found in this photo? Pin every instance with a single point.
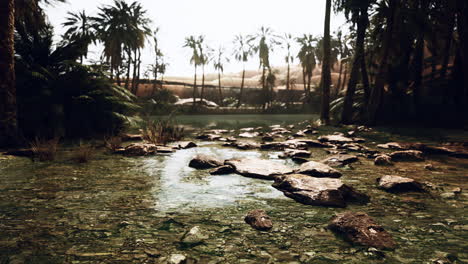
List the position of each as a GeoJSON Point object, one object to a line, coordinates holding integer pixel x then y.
{"type": "Point", "coordinates": [130, 210]}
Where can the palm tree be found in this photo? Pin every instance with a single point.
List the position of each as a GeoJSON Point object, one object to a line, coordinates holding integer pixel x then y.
{"type": "Point", "coordinates": [242, 52]}
{"type": "Point", "coordinates": [192, 43]}
{"type": "Point", "coordinates": [356, 12]}
{"type": "Point", "coordinates": [265, 42]}
{"type": "Point", "coordinates": [158, 57]}
{"type": "Point", "coordinates": [219, 66]}
{"type": "Point", "coordinates": [326, 74]}
{"type": "Point", "coordinates": [79, 28]}
{"type": "Point", "coordinates": [205, 53]}
{"type": "Point", "coordinates": [8, 121]}
{"type": "Point", "coordinates": [307, 56]}
{"type": "Point", "coordinates": [287, 40]}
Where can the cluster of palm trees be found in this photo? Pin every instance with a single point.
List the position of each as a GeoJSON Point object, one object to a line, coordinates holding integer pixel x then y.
{"type": "Point", "coordinates": [123, 29]}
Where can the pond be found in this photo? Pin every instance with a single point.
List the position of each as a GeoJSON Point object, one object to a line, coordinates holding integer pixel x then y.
{"type": "Point", "coordinates": [117, 209]}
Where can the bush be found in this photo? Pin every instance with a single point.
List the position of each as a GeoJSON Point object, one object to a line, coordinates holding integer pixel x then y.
{"type": "Point", "coordinates": [162, 131]}
{"type": "Point", "coordinates": [44, 150]}
{"type": "Point", "coordinates": [113, 143]}
{"type": "Point", "coordinates": [84, 153]}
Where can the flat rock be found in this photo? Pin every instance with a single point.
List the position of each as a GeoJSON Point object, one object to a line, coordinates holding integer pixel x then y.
{"type": "Point", "coordinates": [249, 134]}
{"type": "Point", "coordinates": [132, 137]}
{"type": "Point", "coordinates": [318, 191]}
{"type": "Point", "coordinates": [202, 161]}
{"type": "Point", "coordinates": [194, 237]}
{"type": "Point", "coordinates": [243, 145]}
{"type": "Point", "coordinates": [177, 259]}
{"type": "Point", "coordinates": [258, 168]}
{"type": "Point", "coordinates": [210, 137]}
{"type": "Point", "coordinates": [259, 220]}
{"type": "Point", "coordinates": [317, 169]}
{"type": "Point", "coordinates": [383, 160]}
{"type": "Point", "coordinates": [407, 155]}
{"type": "Point", "coordinates": [393, 183]}
{"type": "Point", "coordinates": [310, 143]}
{"type": "Point", "coordinates": [340, 160]}
{"type": "Point", "coordinates": [295, 153]}
{"type": "Point", "coordinates": [138, 149]}
{"type": "Point", "coordinates": [360, 229]}
{"type": "Point", "coordinates": [223, 170]}
{"type": "Point", "coordinates": [337, 139]}
{"type": "Point", "coordinates": [164, 149]}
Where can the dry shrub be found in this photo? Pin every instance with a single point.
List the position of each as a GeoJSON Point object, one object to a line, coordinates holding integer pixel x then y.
{"type": "Point", "coordinates": [113, 143]}
{"type": "Point", "coordinates": [44, 150]}
{"type": "Point", "coordinates": [162, 132]}
{"type": "Point", "coordinates": [84, 153]}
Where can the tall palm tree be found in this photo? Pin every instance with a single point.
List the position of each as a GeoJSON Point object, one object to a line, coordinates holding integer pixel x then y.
{"type": "Point", "coordinates": [307, 56]}
{"type": "Point", "coordinates": [242, 52]}
{"type": "Point", "coordinates": [192, 43]}
{"type": "Point", "coordinates": [158, 57]}
{"type": "Point", "coordinates": [356, 11]}
{"type": "Point", "coordinates": [287, 40]}
{"type": "Point", "coordinates": [326, 68]}
{"type": "Point", "coordinates": [218, 64]}
{"type": "Point", "coordinates": [205, 53]}
{"type": "Point", "coordinates": [8, 121]}
{"type": "Point", "coordinates": [79, 28]}
{"type": "Point", "coordinates": [265, 41]}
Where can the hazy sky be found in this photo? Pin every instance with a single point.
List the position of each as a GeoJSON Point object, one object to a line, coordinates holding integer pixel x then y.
{"type": "Point", "coordinates": [218, 20]}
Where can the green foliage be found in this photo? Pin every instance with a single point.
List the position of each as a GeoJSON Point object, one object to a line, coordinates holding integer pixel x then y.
{"type": "Point", "coordinates": [162, 131]}
{"type": "Point", "coordinates": [59, 97]}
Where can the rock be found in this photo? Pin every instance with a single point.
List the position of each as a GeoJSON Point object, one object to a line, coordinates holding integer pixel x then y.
{"type": "Point", "coordinates": [138, 149]}
{"type": "Point", "coordinates": [210, 137]}
{"type": "Point", "coordinates": [249, 135]}
{"type": "Point", "coordinates": [177, 259]}
{"type": "Point", "coordinates": [187, 145]}
{"type": "Point", "coordinates": [429, 167]}
{"type": "Point", "coordinates": [457, 190]}
{"type": "Point", "coordinates": [407, 155]}
{"type": "Point", "coordinates": [223, 170]}
{"type": "Point", "coordinates": [295, 153]}
{"type": "Point", "coordinates": [247, 129]}
{"type": "Point", "coordinates": [258, 168]}
{"type": "Point", "coordinates": [267, 138]}
{"type": "Point", "coordinates": [132, 137]}
{"type": "Point", "coordinates": [280, 130]}
{"type": "Point", "coordinates": [392, 183]}
{"type": "Point", "coordinates": [205, 162]}
{"type": "Point", "coordinates": [193, 237]}
{"type": "Point", "coordinates": [163, 149]}
{"type": "Point", "coordinates": [317, 169]}
{"type": "Point", "coordinates": [299, 134]}
{"type": "Point", "coordinates": [259, 220]}
{"type": "Point", "coordinates": [340, 160]}
{"type": "Point", "coordinates": [310, 143]}
{"type": "Point", "coordinates": [318, 191]}
{"type": "Point", "coordinates": [243, 145]}
{"type": "Point", "coordinates": [391, 145]}
{"type": "Point", "coordinates": [383, 160]}
{"type": "Point", "coordinates": [359, 229]}
{"type": "Point", "coordinates": [337, 139]}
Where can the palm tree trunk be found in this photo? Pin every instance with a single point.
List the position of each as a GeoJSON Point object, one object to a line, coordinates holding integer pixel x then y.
{"type": "Point", "coordinates": [345, 77]}
{"type": "Point", "coordinates": [418, 69]}
{"type": "Point", "coordinates": [202, 94]}
{"type": "Point", "coordinates": [288, 84]}
{"type": "Point", "coordinates": [134, 75]}
{"type": "Point", "coordinates": [129, 64]}
{"type": "Point", "coordinates": [195, 87]}
{"type": "Point", "coordinates": [219, 88]}
{"type": "Point", "coordinates": [239, 102]}
{"type": "Point", "coordinates": [347, 114]}
{"type": "Point", "coordinates": [376, 95]}
{"type": "Point", "coordinates": [264, 88]}
{"type": "Point", "coordinates": [340, 79]}
{"type": "Point", "coordinates": [326, 74]}
{"type": "Point", "coordinates": [462, 28]}
{"type": "Point", "coordinates": [138, 72]}
{"type": "Point", "coordinates": [448, 42]}
{"type": "Point", "coordinates": [8, 119]}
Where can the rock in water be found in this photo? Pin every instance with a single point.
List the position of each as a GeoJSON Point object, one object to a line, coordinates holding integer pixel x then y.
{"type": "Point", "coordinates": [187, 144]}
{"type": "Point", "coordinates": [318, 191]}
{"type": "Point", "coordinates": [407, 155]}
{"type": "Point", "coordinates": [392, 183]}
{"type": "Point", "coordinates": [177, 259]}
{"type": "Point", "coordinates": [317, 169]}
{"type": "Point", "coordinates": [295, 153]}
{"type": "Point", "coordinates": [259, 220]}
{"type": "Point", "coordinates": [383, 160]}
{"type": "Point", "coordinates": [258, 168]}
{"type": "Point", "coordinates": [223, 170]}
{"type": "Point", "coordinates": [194, 237]}
{"type": "Point", "coordinates": [337, 139]}
{"type": "Point", "coordinates": [340, 160]}
{"type": "Point", "coordinates": [359, 229]}
{"type": "Point", "coordinates": [139, 149]}
{"type": "Point", "coordinates": [202, 161]}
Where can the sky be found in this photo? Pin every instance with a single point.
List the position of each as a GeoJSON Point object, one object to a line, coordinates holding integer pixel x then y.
{"type": "Point", "coordinates": [218, 20]}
